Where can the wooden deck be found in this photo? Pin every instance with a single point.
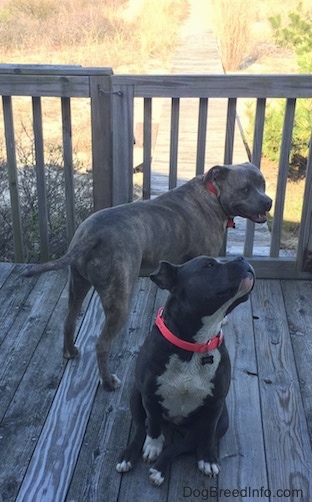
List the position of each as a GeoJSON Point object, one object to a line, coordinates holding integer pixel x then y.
{"type": "Point", "coordinates": [60, 433]}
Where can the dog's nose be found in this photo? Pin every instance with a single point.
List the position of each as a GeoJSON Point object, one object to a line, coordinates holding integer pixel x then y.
{"type": "Point", "coordinates": [243, 261]}
{"type": "Point", "coordinates": [240, 259]}
{"type": "Point", "coordinates": [268, 204]}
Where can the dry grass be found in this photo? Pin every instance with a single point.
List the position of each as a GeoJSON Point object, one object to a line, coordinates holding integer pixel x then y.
{"type": "Point", "coordinates": [244, 32]}
{"type": "Point", "coordinates": [89, 32]}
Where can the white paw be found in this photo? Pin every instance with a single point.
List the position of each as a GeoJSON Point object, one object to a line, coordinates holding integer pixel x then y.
{"type": "Point", "coordinates": [152, 448]}
{"type": "Point", "coordinates": [156, 477]}
{"type": "Point", "coordinates": [211, 470]}
{"type": "Point", "coordinates": [123, 466]}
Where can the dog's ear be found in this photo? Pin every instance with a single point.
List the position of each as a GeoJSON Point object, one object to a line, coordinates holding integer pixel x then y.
{"type": "Point", "coordinates": [165, 276]}
{"type": "Point", "coordinates": [216, 175]}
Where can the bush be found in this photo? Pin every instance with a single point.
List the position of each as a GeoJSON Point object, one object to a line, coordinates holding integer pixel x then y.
{"type": "Point", "coordinates": [233, 25]}
{"type": "Point", "coordinates": [273, 129]}
{"type": "Point", "coordinates": [300, 139]}
{"type": "Point", "coordinates": [55, 187]}
{"type": "Point", "coordinates": [296, 35]}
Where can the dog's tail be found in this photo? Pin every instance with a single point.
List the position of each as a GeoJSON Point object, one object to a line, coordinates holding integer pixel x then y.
{"type": "Point", "coordinates": [62, 262]}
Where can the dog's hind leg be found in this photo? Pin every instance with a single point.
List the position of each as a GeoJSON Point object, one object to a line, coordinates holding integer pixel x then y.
{"type": "Point", "coordinates": [129, 456]}
{"type": "Point", "coordinates": [78, 289]}
{"type": "Point", "coordinates": [116, 299]}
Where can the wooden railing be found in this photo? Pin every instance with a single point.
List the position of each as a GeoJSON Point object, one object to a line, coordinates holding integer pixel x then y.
{"type": "Point", "coordinates": [112, 100]}
{"type": "Point", "coordinates": [64, 83]}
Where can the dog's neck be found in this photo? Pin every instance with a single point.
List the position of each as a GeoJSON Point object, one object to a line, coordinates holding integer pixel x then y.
{"type": "Point", "coordinates": [203, 348]}
{"type": "Point", "coordinates": [212, 189]}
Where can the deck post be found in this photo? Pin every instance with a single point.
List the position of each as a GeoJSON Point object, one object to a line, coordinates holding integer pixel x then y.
{"type": "Point", "coordinates": [304, 250]}
{"type": "Point", "coordinates": [122, 141]}
{"type": "Point", "coordinates": [100, 93]}
{"type": "Point", "coordinates": [13, 178]}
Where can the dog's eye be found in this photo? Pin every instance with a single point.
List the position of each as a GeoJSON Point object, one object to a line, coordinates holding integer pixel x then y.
{"type": "Point", "coordinates": [209, 264]}
{"type": "Point", "coordinates": [245, 189]}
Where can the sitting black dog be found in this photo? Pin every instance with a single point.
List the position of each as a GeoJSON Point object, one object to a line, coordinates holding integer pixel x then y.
{"type": "Point", "coordinates": [183, 369]}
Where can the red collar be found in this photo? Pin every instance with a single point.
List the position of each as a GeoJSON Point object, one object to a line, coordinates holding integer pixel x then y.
{"type": "Point", "coordinates": [189, 346]}
{"type": "Point", "coordinates": [212, 189]}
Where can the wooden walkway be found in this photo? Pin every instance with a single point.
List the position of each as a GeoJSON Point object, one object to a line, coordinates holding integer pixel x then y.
{"type": "Point", "coordinates": [197, 53]}
{"type": "Point", "coordinates": [60, 433]}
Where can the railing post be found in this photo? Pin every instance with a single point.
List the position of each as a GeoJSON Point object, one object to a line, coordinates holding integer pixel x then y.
{"type": "Point", "coordinates": [100, 93]}
{"type": "Point", "coordinates": [122, 123]}
{"type": "Point", "coordinates": [13, 178]}
{"type": "Point", "coordinates": [41, 183]}
{"type": "Point", "coordinates": [304, 250]}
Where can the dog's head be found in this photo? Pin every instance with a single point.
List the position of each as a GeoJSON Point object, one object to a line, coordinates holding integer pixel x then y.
{"type": "Point", "coordinates": [204, 288]}
{"type": "Point", "coordinates": [241, 191]}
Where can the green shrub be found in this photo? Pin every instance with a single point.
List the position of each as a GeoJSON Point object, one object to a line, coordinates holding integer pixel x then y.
{"type": "Point", "coordinates": [296, 35]}
{"type": "Point", "coordinates": [300, 139]}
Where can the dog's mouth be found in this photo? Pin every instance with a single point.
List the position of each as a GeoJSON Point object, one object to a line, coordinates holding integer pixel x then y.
{"type": "Point", "coordinates": [257, 218]}
{"type": "Point", "coordinates": [246, 285]}
{"type": "Point", "coordinates": [260, 217]}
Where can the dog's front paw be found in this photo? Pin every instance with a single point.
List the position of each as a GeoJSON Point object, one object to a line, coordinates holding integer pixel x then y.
{"type": "Point", "coordinates": [210, 469]}
{"type": "Point", "coordinates": [124, 466]}
{"type": "Point", "coordinates": [152, 448]}
{"type": "Point", "coordinates": [156, 478]}
{"type": "Point", "coordinates": [111, 383]}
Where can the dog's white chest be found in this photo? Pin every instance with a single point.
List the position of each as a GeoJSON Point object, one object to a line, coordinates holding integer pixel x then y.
{"type": "Point", "coordinates": [184, 385]}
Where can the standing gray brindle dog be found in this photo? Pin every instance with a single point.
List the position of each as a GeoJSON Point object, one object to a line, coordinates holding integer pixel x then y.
{"type": "Point", "coordinates": [112, 247]}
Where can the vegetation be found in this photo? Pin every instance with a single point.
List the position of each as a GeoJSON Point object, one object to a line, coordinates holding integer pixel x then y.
{"type": "Point", "coordinates": [89, 32]}
{"type": "Point", "coordinates": [296, 35]}
{"type": "Point", "coordinates": [55, 186]}
{"type": "Point", "coordinates": [233, 30]}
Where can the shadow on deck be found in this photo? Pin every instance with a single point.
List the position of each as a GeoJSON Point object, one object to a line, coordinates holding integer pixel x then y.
{"type": "Point", "coordinates": [60, 433]}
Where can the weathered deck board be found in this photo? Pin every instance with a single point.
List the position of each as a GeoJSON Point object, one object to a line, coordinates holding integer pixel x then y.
{"type": "Point", "coordinates": [297, 297]}
{"type": "Point", "coordinates": [60, 433]}
{"type": "Point", "coordinates": [243, 447]}
{"type": "Point", "coordinates": [284, 422]}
